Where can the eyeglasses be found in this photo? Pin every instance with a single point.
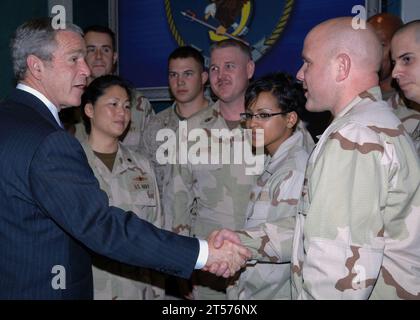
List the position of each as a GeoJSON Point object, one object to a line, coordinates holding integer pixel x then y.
{"type": "Point", "coordinates": [264, 116]}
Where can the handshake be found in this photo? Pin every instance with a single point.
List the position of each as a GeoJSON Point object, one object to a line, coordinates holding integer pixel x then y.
{"type": "Point", "coordinates": [226, 254]}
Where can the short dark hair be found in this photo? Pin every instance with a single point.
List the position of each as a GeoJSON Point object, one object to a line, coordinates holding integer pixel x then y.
{"type": "Point", "coordinates": [227, 43]}
{"type": "Point", "coordinates": [102, 29]}
{"type": "Point", "coordinates": [187, 52]}
{"type": "Point", "coordinates": [415, 24]}
{"type": "Point", "coordinates": [285, 88]}
{"type": "Point", "coordinates": [96, 89]}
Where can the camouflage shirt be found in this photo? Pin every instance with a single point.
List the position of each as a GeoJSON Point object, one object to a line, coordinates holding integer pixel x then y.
{"type": "Point", "coordinates": [207, 197]}
{"type": "Point", "coordinates": [131, 186]}
{"type": "Point", "coordinates": [358, 225]}
{"type": "Point", "coordinates": [410, 119]}
{"type": "Point", "coordinates": [270, 224]}
{"type": "Point", "coordinates": [166, 119]}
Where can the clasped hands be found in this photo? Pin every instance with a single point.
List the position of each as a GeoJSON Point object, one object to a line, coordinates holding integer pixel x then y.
{"type": "Point", "coordinates": [226, 254]}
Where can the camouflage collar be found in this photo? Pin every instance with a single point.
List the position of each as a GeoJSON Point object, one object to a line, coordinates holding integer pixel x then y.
{"type": "Point", "coordinates": [123, 160]}
{"type": "Point", "coordinates": [214, 115]}
{"type": "Point", "coordinates": [176, 113]}
{"type": "Point", "coordinates": [296, 139]}
{"type": "Point", "coordinates": [373, 94]}
{"type": "Point", "coordinates": [396, 101]}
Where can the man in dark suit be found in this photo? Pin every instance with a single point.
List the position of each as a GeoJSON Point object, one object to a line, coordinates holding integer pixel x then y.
{"type": "Point", "coordinates": [51, 208]}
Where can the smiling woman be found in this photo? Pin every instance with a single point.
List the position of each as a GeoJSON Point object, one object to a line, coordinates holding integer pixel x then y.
{"type": "Point", "coordinates": [106, 107]}
{"type": "Point", "coordinates": [126, 177]}
{"type": "Point", "coordinates": [273, 104]}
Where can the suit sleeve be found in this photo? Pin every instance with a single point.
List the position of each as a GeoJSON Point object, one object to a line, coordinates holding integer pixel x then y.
{"type": "Point", "coordinates": [64, 187]}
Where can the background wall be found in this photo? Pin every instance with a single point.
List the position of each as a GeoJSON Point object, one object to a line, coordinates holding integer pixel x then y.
{"type": "Point", "coordinates": [89, 12]}
{"type": "Point", "coordinates": [14, 13]}
{"type": "Point", "coordinates": [146, 39]}
{"type": "Point", "coordinates": [410, 10]}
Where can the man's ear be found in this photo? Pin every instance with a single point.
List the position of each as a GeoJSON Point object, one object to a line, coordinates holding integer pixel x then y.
{"type": "Point", "coordinates": [89, 110]}
{"type": "Point", "coordinates": [344, 66]}
{"type": "Point", "coordinates": [35, 66]}
{"type": "Point", "coordinates": [250, 68]}
{"type": "Point", "coordinates": [204, 77]}
{"type": "Point", "coordinates": [114, 58]}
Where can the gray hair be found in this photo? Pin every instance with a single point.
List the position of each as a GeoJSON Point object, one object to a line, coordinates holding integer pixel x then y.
{"type": "Point", "coordinates": [36, 37]}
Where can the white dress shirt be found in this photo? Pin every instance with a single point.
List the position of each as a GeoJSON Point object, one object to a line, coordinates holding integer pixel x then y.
{"type": "Point", "coordinates": [53, 109]}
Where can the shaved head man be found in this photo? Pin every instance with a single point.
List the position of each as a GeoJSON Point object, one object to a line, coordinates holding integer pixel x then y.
{"type": "Point", "coordinates": [359, 214]}
{"type": "Point", "coordinates": [346, 64]}
{"type": "Point", "coordinates": [385, 25]}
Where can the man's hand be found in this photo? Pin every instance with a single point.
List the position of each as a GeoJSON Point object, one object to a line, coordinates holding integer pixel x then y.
{"type": "Point", "coordinates": [226, 254]}
{"type": "Point", "coordinates": [218, 236]}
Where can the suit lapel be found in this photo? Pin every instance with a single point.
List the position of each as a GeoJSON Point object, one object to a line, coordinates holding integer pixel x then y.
{"type": "Point", "coordinates": [30, 100]}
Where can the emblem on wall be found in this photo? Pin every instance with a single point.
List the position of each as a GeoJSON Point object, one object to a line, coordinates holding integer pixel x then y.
{"type": "Point", "coordinates": [199, 23]}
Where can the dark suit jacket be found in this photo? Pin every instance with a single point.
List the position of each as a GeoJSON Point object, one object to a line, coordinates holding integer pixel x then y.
{"type": "Point", "coordinates": [51, 207]}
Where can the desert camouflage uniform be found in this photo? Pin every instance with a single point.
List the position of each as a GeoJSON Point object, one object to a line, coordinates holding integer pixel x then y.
{"type": "Point", "coordinates": [270, 224]}
{"type": "Point", "coordinates": [358, 225]}
{"type": "Point", "coordinates": [141, 111]}
{"type": "Point", "coordinates": [166, 119]}
{"type": "Point", "coordinates": [207, 197]}
{"type": "Point", "coordinates": [131, 186]}
{"type": "Point", "coordinates": [410, 119]}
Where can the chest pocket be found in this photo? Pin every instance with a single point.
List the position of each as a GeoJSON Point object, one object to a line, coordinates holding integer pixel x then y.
{"type": "Point", "coordinates": [259, 207]}
{"type": "Point", "coordinates": [260, 201]}
{"type": "Point", "coordinates": [142, 189]}
{"type": "Point", "coordinates": [207, 178]}
{"type": "Point", "coordinates": [143, 196]}
{"type": "Point", "coordinates": [134, 187]}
